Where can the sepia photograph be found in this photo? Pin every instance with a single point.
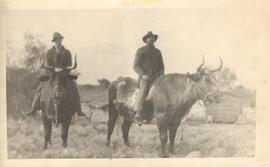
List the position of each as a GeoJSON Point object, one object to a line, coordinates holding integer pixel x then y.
{"type": "Point", "coordinates": [134, 83]}
{"type": "Point", "coordinates": [125, 83]}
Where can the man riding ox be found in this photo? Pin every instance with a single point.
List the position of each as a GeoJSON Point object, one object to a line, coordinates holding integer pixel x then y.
{"type": "Point", "coordinates": [170, 99]}
{"type": "Point", "coordinates": [59, 57]}
{"type": "Point", "coordinates": [148, 64]}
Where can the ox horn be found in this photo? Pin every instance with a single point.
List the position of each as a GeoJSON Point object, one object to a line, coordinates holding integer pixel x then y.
{"type": "Point", "coordinates": [220, 66]}
{"type": "Point", "coordinates": [200, 67]}
{"type": "Point", "coordinates": [47, 67]}
{"type": "Point", "coordinates": [74, 66]}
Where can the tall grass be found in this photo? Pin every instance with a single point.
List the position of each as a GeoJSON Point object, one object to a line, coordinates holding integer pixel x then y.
{"type": "Point", "coordinates": [87, 140]}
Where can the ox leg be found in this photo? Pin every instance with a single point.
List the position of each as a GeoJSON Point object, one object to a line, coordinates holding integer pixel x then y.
{"type": "Point", "coordinates": [47, 131]}
{"type": "Point", "coordinates": [111, 123]}
{"type": "Point", "coordinates": [172, 132]}
{"type": "Point", "coordinates": [50, 132]}
{"type": "Point", "coordinates": [182, 133]}
{"type": "Point", "coordinates": [65, 128]}
{"type": "Point", "coordinates": [163, 138]}
{"type": "Point", "coordinates": [125, 130]}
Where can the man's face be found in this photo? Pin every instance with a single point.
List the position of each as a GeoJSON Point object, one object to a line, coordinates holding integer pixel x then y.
{"type": "Point", "coordinates": [150, 40]}
{"type": "Point", "coordinates": [58, 41]}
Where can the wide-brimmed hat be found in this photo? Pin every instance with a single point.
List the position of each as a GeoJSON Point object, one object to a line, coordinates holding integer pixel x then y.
{"type": "Point", "coordinates": [57, 35]}
{"type": "Point", "coordinates": [150, 34]}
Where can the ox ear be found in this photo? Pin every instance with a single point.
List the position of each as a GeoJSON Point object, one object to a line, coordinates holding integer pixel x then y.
{"type": "Point", "coordinates": [194, 77]}
{"type": "Point", "coordinates": [72, 77]}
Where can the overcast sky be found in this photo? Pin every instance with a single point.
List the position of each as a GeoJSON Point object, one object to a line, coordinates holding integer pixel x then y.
{"type": "Point", "coordinates": [106, 40]}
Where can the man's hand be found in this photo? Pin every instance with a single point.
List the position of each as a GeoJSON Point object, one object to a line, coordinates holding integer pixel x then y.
{"type": "Point", "coordinates": [146, 77]}
{"type": "Point", "coordinates": [58, 69]}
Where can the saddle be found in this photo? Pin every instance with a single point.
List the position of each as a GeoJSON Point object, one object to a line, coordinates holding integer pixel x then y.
{"type": "Point", "coordinates": [127, 91]}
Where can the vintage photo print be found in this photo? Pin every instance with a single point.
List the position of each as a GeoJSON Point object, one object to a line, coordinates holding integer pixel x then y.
{"type": "Point", "coordinates": [114, 83]}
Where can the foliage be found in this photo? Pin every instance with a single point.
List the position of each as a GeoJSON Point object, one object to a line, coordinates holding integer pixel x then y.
{"type": "Point", "coordinates": [226, 78]}
{"type": "Point", "coordinates": [20, 90]}
{"type": "Point", "coordinates": [227, 81]}
{"type": "Point", "coordinates": [35, 50]}
{"type": "Point", "coordinates": [104, 82]}
{"type": "Point", "coordinates": [22, 77]}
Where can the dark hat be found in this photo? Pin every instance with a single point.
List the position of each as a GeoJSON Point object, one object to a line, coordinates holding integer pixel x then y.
{"type": "Point", "coordinates": [57, 35]}
{"type": "Point", "coordinates": [150, 34]}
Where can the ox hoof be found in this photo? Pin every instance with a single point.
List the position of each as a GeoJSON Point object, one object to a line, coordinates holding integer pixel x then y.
{"type": "Point", "coordinates": [172, 152]}
{"type": "Point", "coordinates": [64, 145]}
{"type": "Point", "coordinates": [45, 148]}
{"type": "Point", "coordinates": [127, 144]}
{"type": "Point", "coordinates": [163, 155]}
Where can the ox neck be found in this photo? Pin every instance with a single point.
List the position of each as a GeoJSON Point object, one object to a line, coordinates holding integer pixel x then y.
{"type": "Point", "coordinates": [192, 93]}
{"type": "Point", "coordinates": [189, 96]}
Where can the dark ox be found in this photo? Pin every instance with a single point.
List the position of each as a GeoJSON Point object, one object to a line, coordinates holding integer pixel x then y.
{"type": "Point", "coordinates": [170, 99]}
{"type": "Point", "coordinates": [57, 101]}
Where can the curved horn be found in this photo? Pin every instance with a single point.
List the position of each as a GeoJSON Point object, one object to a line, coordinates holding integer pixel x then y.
{"type": "Point", "coordinates": [220, 66]}
{"type": "Point", "coordinates": [74, 66]}
{"type": "Point", "coordinates": [42, 65]}
{"type": "Point", "coordinates": [199, 68]}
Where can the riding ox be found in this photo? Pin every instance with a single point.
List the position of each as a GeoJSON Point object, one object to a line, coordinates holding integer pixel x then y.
{"type": "Point", "coordinates": [169, 101]}
{"type": "Point", "coordinates": [57, 100]}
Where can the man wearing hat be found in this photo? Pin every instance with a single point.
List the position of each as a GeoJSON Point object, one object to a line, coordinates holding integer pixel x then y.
{"type": "Point", "coordinates": [57, 56]}
{"type": "Point", "coordinates": [148, 64]}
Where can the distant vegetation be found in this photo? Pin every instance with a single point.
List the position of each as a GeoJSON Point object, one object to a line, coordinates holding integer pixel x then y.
{"type": "Point", "coordinates": [22, 75]}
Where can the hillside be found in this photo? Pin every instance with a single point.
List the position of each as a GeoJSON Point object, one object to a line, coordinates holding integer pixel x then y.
{"type": "Point", "coordinates": [93, 94]}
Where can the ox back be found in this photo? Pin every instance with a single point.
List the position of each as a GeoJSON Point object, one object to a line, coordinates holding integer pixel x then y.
{"type": "Point", "coordinates": [122, 94]}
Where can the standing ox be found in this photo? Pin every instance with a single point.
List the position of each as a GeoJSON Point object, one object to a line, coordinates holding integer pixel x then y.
{"type": "Point", "coordinates": [57, 101]}
{"type": "Point", "coordinates": [170, 99]}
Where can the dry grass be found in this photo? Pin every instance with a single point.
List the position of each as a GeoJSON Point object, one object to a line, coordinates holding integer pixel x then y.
{"type": "Point", "coordinates": [87, 140]}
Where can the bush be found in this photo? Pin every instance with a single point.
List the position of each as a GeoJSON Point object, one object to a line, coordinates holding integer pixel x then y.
{"type": "Point", "coordinates": [21, 85]}
{"type": "Point", "coordinates": [22, 76]}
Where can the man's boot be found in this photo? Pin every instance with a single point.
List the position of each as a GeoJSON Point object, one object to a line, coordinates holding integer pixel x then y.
{"type": "Point", "coordinates": [77, 104]}
{"type": "Point", "coordinates": [80, 113]}
{"type": "Point", "coordinates": [79, 108]}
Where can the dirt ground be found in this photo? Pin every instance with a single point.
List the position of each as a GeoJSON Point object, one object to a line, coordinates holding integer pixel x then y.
{"type": "Point", "coordinates": [87, 140]}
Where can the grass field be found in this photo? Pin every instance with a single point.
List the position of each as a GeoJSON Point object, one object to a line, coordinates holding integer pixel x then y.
{"type": "Point", "coordinates": [87, 140]}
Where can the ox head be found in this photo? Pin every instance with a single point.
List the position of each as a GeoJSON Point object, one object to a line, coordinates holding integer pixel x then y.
{"type": "Point", "coordinates": [58, 80]}
{"type": "Point", "coordinates": [206, 86]}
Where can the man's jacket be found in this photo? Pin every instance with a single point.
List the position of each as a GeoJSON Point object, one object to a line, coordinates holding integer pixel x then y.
{"type": "Point", "coordinates": [148, 61]}
{"type": "Point", "coordinates": [62, 58]}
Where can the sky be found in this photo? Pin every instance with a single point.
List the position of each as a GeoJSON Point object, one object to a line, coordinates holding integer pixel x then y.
{"type": "Point", "coordinates": [106, 40]}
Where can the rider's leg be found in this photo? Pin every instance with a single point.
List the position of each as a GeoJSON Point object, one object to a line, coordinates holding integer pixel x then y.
{"type": "Point", "coordinates": [77, 104]}
{"type": "Point", "coordinates": [140, 99]}
{"type": "Point", "coordinates": [35, 104]}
